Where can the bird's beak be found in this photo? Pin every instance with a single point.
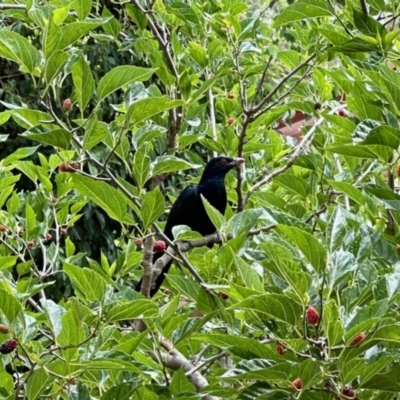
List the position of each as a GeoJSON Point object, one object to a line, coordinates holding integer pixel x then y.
{"type": "Point", "coordinates": [237, 161]}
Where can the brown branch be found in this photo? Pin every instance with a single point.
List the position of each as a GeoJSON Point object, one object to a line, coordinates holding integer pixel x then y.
{"type": "Point", "coordinates": [299, 150]}
{"type": "Point", "coordinates": [175, 360]}
{"type": "Point", "coordinates": [284, 95]}
{"type": "Point", "coordinates": [147, 266]}
{"type": "Point", "coordinates": [240, 170]}
{"type": "Point", "coordinates": [259, 86]}
{"type": "Point", "coordinates": [175, 115]}
{"type": "Point", "coordinates": [265, 100]}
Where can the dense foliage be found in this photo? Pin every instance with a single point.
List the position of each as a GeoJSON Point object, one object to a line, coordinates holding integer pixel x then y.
{"type": "Point", "coordinates": [109, 109]}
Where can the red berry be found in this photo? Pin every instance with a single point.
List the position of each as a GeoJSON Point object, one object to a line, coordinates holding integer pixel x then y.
{"type": "Point", "coordinates": [231, 96]}
{"type": "Point", "coordinates": [48, 236]}
{"type": "Point", "coordinates": [223, 296]}
{"type": "Point", "coordinates": [167, 292]}
{"type": "Point", "coordinates": [280, 349]}
{"type": "Point", "coordinates": [348, 392]}
{"type": "Point", "coordinates": [230, 120]}
{"type": "Point", "coordinates": [297, 383]}
{"type": "Point", "coordinates": [159, 246]}
{"type": "Point", "coordinates": [4, 328]}
{"type": "Point", "coordinates": [342, 112]}
{"type": "Point", "coordinates": [8, 346]}
{"type": "Point", "coordinates": [3, 228]}
{"type": "Point", "coordinates": [63, 231]}
{"type": "Point", "coordinates": [63, 167]}
{"type": "Point", "coordinates": [67, 104]}
{"type": "Point", "coordinates": [398, 170]}
{"type": "Point", "coordinates": [31, 243]}
{"type": "Point", "coordinates": [359, 338]}
{"type": "Point", "coordinates": [138, 242]}
{"type": "Point", "coordinates": [312, 316]}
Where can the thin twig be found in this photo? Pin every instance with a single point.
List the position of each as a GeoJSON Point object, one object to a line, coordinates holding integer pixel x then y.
{"type": "Point", "coordinates": [307, 139]}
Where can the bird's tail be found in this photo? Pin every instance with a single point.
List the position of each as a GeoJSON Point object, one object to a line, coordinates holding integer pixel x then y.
{"type": "Point", "coordinates": [160, 278]}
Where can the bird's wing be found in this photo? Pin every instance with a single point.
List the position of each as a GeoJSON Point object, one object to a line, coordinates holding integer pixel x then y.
{"type": "Point", "coordinates": [182, 211]}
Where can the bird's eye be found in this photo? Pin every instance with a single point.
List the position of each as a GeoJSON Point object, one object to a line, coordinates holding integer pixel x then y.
{"type": "Point", "coordinates": [223, 161]}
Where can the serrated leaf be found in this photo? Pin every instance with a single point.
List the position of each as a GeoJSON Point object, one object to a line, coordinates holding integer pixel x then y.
{"type": "Point", "coordinates": [308, 244]}
{"type": "Point", "coordinates": [274, 306]}
{"type": "Point", "coordinates": [146, 108]}
{"type": "Point", "coordinates": [215, 216]}
{"type": "Point", "coordinates": [120, 76]}
{"type": "Point", "coordinates": [16, 48]}
{"type": "Point", "coordinates": [83, 82]}
{"type": "Point", "coordinates": [82, 8]}
{"type": "Point", "coordinates": [153, 207]}
{"type": "Point", "coordinates": [133, 309]}
{"type": "Point", "coordinates": [303, 9]}
{"type": "Point", "coordinates": [9, 305]}
{"type": "Point", "coordinates": [141, 165]}
{"type": "Point", "coordinates": [113, 202]}
{"type": "Point", "coordinates": [90, 284]}
{"type": "Point", "coordinates": [167, 164]}
{"type": "Point", "coordinates": [95, 132]}
{"type": "Point", "coordinates": [56, 137]}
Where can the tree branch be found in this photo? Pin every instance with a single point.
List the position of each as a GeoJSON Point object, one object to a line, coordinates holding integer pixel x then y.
{"type": "Point", "coordinates": [307, 139]}
{"type": "Point", "coordinates": [147, 266]}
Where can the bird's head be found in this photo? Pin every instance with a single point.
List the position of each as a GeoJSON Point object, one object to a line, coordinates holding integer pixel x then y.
{"type": "Point", "coordinates": [219, 167]}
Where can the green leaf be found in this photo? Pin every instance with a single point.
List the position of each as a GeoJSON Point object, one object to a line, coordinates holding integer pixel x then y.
{"type": "Point", "coordinates": [83, 82]}
{"type": "Point", "coordinates": [71, 335]}
{"type": "Point", "coordinates": [120, 76]}
{"type": "Point", "coordinates": [198, 53]}
{"type": "Point", "coordinates": [294, 183]}
{"type": "Point", "coordinates": [303, 9]}
{"type": "Point", "coordinates": [249, 276]}
{"type": "Point", "coordinates": [9, 305]}
{"type": "Point", "coordinates": [167, 164]}
{"type": "Point", "coordinates": [37, 384]}
{"type": "Point", "coordinates": [308, 244]}
{"type": "Point", "coordinates": [113, 202]}
{"type": "Point", "coordinates": [146, 108]}
{"type": "Point", "coordinates": [215, 216]}
{"type": "Point", "coordinates": [253, 346]}
{"type": "Point", "coordinates": [90, 284]}
{"type": "Point", "coordinates": [153, 207]}
{"type": "Point", "coordinates": [141, 165]}
{"type": "Point", "coordinates": [389, 380]}
{"type": "Point", "coordinates": [383, 135]}
{"type": "Point", "coordinates": [54, 65]}
{"type": "Point", "coordinates": [22, 152]}
{"type": "Point", "coordinates": [82, 8]}
{"type": "Point", "coordinates": [180, 384]}
{"type": "Point", "coordinates": [274, 306]}
{"type": "Point", "coordinates": [16, 48]}
{"type": "Point", "coordinates": [95, 132]}
{"type": "Point", "coordinates": [283, 266]}
{"type": "Point", "coordinates": [4, 117]}
{"type": "Point", "coordinates": [112, 27]}
{"type": "Point", "coordinates": [30, 118]}
{"type": "Point", "coordinates": [333, 329]}
{"type": "Point", "coordinates": [368, 25]}
{"type": "Point", "coordinates": [7, 262]}
{"type": "Point", "coordinates": [356, 45]}
{"type": "Point", "coordinates": [74, 31]}
{"type": "Point", "coordinates": [56, 137]}
{"type": "Point", "coordinates": [132, 309]}
{"type": "Point", "coordinates": [349, 190]}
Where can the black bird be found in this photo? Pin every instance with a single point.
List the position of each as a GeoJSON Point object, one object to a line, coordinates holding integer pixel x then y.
{"type": "Point", "coordinates": [189, 210]}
